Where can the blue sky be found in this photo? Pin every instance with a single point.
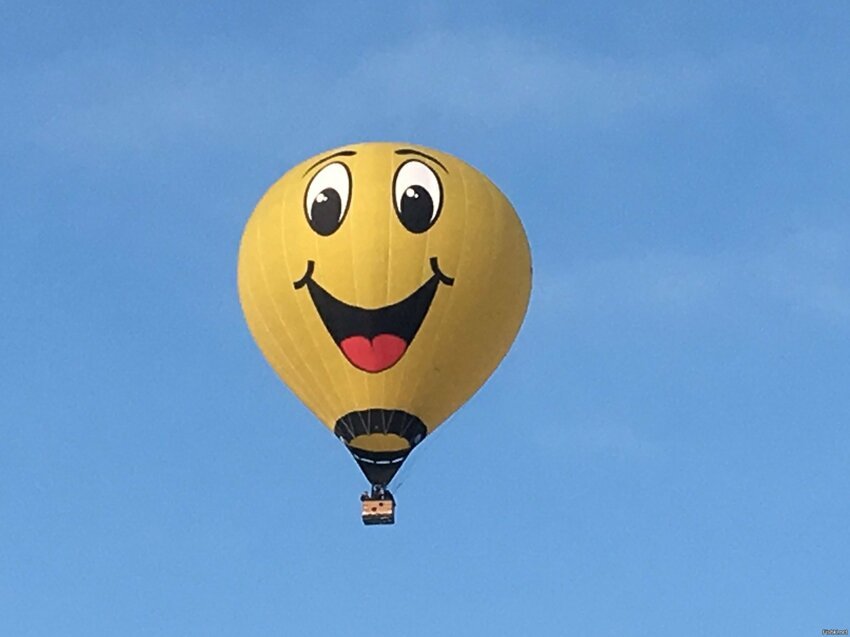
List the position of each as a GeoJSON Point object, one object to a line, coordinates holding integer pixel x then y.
{"type": "Point", "coordinates": [664, 451]}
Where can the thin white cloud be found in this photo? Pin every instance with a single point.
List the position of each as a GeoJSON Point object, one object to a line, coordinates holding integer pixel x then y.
{"type": "Point", "coordinates": [498, 77]}
{"type": "Point", "coordinates": [806, 273]}
{"type": "Point", "coordinates": [599, 437]}
{"type": "Point", "coordinates": [811, 271]}
{"type": "Point", "coordinates": [663, 283]}
{"type": "Point", "coordinates": [139, 98]}
{"type": "Point", "coordinates": [136, 100]}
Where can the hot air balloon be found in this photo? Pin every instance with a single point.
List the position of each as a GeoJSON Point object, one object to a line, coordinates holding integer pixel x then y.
{"type": "Point", "coordinates": [383, 283]}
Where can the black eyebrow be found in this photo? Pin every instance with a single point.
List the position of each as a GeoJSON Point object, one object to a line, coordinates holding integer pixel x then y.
{"type": "Point", "coordinates": [343, 153]}
{"type": "Point", "coordinates": [410, 151]}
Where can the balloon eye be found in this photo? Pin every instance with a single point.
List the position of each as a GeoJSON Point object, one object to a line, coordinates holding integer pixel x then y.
{"type": "Point", "coordinates": [327, 199]}
{"type": "Point", "coordinates": [418, 196]}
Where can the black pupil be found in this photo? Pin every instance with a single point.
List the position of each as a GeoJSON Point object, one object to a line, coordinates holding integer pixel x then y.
{"type": "Point", "coordinates": [325, 212]}
{"type": "Point", "coordinates": [417, 208]}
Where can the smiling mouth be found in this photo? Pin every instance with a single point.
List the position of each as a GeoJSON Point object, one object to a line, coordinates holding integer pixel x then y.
{"type": "Point", "coordinates": [373, 340]}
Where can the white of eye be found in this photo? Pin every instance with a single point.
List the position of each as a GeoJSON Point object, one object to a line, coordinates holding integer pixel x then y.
{"type": "Point", "coordinates": [333, 176]}
{"type": "Point", "coordinates": [415, 173]}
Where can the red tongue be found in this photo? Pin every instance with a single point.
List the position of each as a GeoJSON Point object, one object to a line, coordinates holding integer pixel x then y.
{"type": "Point", "coordinates": [376, 355]}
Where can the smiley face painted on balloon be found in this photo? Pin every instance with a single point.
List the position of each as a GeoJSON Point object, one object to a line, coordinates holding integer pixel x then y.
{"type": "Point", "coordinates": [374, 340]}
{"type": "Point", "coordinates": [384, 283]}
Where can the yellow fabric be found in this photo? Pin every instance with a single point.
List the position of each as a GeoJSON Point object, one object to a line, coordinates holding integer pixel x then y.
{"type": "Point", "coordinates": [371, 261]}
{"type": "Point", "coordinates": [379, 442]}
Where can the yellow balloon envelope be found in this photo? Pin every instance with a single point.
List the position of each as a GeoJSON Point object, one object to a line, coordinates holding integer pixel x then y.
{"type": "Point", "coordinates": [384, 283]}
